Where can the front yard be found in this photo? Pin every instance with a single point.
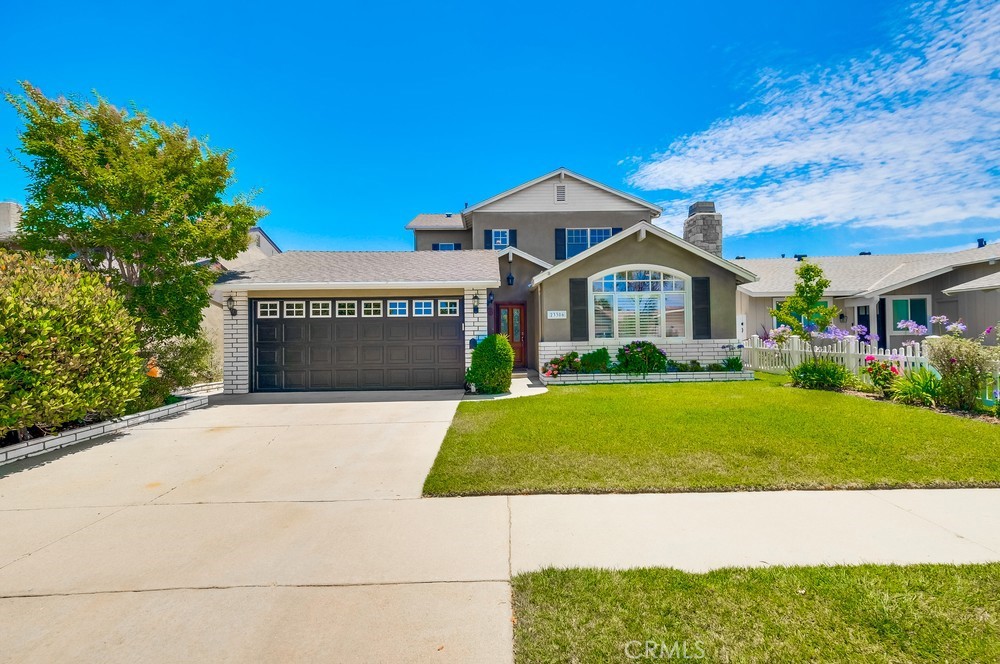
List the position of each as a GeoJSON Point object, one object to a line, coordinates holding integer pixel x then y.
{"type": "Point", "coordinates": [706, 437]}
{"type": "Point", "coordinates": [870, 613]}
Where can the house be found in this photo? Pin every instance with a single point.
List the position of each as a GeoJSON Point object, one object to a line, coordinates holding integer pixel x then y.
{"type": "Point", "coordinates": [10, 219]}
{"type": "Point", "coordinates": [880, 291]}
{"type": "Point", "coordinates": [558, 263]}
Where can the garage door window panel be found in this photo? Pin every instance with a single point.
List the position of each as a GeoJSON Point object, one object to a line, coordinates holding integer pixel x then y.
{"type": "Point", "coordinates": [319, 309]}
{"type": "Point", "coordinates": [371, 309]}
{"type": "Point", "coordinates": [398, 308]}
{"type": "Point", "coordinates": [295, 309]}
{"type": "Point", "coordinates": [347, 308]}
{"type": "Point", "coordinates": [423, 308]}
{"type": "Point", "coordinates": [268, 310]}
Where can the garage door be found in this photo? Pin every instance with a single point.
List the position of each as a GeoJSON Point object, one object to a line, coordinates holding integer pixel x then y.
{"type": "Point", "coordinates": [344, 344]}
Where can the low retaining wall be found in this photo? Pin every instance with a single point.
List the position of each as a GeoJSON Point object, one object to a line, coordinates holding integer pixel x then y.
{"type": "Point", "coordinates": [200, 388]}
{"type": "Point", "coordinates": [706, 351]}
{"type": "Point", "coordinates": [669, 377]}
{"type": "Point", "coordinates": [36, 446]}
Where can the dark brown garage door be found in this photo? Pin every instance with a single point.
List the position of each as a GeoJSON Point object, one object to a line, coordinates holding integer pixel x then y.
{"type": "Point", "coordinates": [358, 344]}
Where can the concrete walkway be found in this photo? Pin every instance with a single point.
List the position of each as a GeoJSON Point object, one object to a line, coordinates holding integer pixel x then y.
{"type": "Point", "coordinates": [291, 528]}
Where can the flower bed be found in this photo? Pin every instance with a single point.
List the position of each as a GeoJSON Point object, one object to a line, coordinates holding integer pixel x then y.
{"type": "Point", "coordinates": [666, 377]}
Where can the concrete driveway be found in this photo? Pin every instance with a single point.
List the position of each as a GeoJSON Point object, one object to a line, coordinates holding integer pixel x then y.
{"type": "Point", "coordinates": [260, 529]}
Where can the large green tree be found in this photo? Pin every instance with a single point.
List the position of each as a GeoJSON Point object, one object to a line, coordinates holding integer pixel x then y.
{"type": "Point", "coordinates": [133, 198]}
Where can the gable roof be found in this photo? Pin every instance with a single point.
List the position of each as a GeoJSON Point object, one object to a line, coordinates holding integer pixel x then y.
{"type": "Point", "coordinates": [646, 227]}
{"type": "Point", "coordinates": [437, 222]}
{"type": "Point", "coordinates": [514, 251]}
{"type": "Point", "coordinates": [862, 276]}
{"type": "Point", "coordinates": [367, 269]}
{"type": "Point", "coordinates": [565, 172]}
{"type": "Point", "coordinates": [989, 282]}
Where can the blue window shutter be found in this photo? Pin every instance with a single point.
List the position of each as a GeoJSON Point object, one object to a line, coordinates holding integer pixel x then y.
{"type": "Point", "coordinates": [435, 247]}
{"type": "Point", "coordinates": [560, 244]}
{"type": "Point", "coordinates": [458, 246]}
{"type": "Point", "coordinates": [487, 238]}
{"type": "Point", "coordinates": [616, 231]}
{"type": "Point", "coordinates": [512, 237]}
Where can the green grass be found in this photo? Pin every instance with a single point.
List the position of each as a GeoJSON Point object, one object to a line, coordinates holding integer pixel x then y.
{"type": "Point", "coordinates": [870, 613]}
{"type": "Point", "coordinates": [706, 437]}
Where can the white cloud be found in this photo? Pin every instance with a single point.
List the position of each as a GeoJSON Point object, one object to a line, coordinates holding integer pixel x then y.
{"type": "Point", "coordinates": [906, 139]}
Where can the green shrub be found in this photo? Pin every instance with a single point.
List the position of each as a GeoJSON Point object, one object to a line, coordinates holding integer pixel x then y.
{"type": "Point", "coordinates": [568, 363]}
{"type": "Point", "coordinates": [965, 366]}
{"type": "Point", "coordinates": [596, 361]}
{"type": "Point", "coordinates": [492, 365]}
{"type": "Point", "coordinates": [68, 348]}
{"type": "Point", "coordinates": [918, 388]}
{"type": "Point", "coordinates": [182, 362]}
{"type": "Point", "coordinates": [732, 364]}
{"type": "Point", "coordinates": [641, 357]}
{"type": "Point", "coordinates": [820, 375]}
{"type": "Point", "coordinates": [716, 366]}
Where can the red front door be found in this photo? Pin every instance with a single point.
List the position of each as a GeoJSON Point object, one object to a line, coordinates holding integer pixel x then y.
{"type": "Point", "coordinates": [510, 323]}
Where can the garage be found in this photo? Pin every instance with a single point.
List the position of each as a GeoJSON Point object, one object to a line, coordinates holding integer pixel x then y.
{"type": "Point", "coordinates": [358, 344]}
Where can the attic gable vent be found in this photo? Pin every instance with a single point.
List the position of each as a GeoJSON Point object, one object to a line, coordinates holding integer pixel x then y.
{"type": "Point", "coordinates": [560, 193]}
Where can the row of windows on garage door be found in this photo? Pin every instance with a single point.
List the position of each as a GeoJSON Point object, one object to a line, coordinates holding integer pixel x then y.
{"type": "Point", "coordinates": [354, 308]}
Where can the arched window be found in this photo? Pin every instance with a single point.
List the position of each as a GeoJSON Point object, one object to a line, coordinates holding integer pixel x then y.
{"type": "Point", "coordinates": [640, 302]}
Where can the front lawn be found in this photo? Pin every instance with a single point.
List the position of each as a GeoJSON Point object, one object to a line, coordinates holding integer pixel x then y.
{"type": "Point", "coordinates": [706, 437]}
{"type": "Point", "coordinates": [871, 613]}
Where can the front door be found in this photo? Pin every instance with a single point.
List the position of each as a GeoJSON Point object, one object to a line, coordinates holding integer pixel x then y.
{"type": "Point", "coordinates": [510, 323]}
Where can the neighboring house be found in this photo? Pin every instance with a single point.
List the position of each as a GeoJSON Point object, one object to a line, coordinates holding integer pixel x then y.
{"type": "Point", "coordinates": [880, 291]}
{"type": "Point", "coordinates": [10, 219]}
{"type": "Point", "coordinates": [559, 263]}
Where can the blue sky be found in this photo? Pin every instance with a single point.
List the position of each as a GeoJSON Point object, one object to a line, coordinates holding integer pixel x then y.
{"type": "Point", "coordinates": [819, 128]}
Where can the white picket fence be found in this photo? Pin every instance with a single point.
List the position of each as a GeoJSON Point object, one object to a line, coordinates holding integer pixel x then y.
{"type": "Point", "coordinates": [849, 353]}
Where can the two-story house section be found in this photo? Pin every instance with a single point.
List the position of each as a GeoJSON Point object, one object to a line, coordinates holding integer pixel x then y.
{"type": "Point", "coordinates": [583, 267]}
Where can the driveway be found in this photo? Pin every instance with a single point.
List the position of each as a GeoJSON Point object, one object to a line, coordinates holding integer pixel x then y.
{"type": "Point", "coordinates": [260, 529]}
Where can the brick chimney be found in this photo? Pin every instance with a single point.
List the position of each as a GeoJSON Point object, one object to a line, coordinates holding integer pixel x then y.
{"type": "Point", "coordinates": [703, 227]}
{"type": "Point", "coordinates": [10, 217]}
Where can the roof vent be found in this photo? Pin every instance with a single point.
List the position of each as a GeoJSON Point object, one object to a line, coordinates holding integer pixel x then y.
{"type": "Point", "coordinates": [741, 258]}
{"type": "Point", "coordinates": [864, 253]}
{"type": "Point", "coordinates": [448, 215]}
{"type": "Point", "coordinates": [560, 193]}
{"type": "Point", "coordinates": [799, 257]}
{"type": "Point", "coordinates": [981, 242]}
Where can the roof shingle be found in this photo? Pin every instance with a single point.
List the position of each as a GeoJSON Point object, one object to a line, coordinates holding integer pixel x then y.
{"type": "Point", "coordinates": [437, 222]}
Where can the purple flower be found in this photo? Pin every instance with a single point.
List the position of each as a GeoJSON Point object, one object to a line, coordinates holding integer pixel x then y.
{"type": "Point", "coordinates": [958, 327]}
{"type": "Point", "coordinates": [939, 319]}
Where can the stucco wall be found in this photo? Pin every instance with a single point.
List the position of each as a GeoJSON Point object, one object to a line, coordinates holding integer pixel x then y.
{"type": "Point", "coordinates": [653, 251]}
{"type": "Point", "coordinates": [425, 240]}
{"type": "Point", "coordinates": [536, 231]}
{"type": "Point", "coordinates": [523, 271]}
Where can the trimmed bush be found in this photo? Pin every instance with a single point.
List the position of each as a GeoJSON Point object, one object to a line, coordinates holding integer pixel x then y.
{"type": "Point", "coordinates": [68, 347]}
{"type": "Point", "coordinates": [641, 357]}
{"type": "Point", "coordinates": [596, 361]}
{"type": "Point", "coordinates": [820, 375]}
{"type": "Point", "coordinates": [965, 366]}
{"type": "Point", "coordinates": [492, 365]}
{"type": "Point", "coordinates": [182, 362]}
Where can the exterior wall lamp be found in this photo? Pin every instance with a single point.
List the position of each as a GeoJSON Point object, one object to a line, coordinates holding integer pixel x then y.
{"type": "Point", "coordinates": [510, 277]}
{"type": "Point", "coordinates": [231, 305]}
{"type": "Point", "coordinates": [475, 303]}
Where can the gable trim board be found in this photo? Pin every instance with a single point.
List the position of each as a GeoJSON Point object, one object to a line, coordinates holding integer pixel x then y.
{"type": "Point", "coordinates": [514, 251]}
{"type": "Point", "coordinates": [655, 210]}
{"type": "Point", "coordinates": [646, 227]}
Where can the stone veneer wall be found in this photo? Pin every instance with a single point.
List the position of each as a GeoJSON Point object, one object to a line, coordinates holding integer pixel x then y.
{"type": "Point", "coordinates": [236, 345]}
{"type": "Point", "coordinates": [475, 324]}
{"type": "Point", "coordinates": [706, 351]}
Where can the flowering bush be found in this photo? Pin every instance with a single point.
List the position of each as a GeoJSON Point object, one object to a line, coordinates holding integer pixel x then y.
{"type": "Point", "coordinates": [881, 373]}
{"type": "Point", "coordinates": [734, 357]}
{"type": "Point", "coordinates": [641, 357]}
{"type": "Point", "coordinates": [568, 363]}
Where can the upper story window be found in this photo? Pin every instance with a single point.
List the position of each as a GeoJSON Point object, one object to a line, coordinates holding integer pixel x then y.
{"type": "Point", "coordinates": [581, 239]}
{"type": "Point", "coordinates": [500, 238]}
{"type": "Point", "coordinates": [639, 302]}
{"type": "Point", "coordinates": [446, 246]}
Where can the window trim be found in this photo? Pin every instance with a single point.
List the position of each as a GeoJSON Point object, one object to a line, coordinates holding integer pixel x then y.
{"type": "Point", "coordinates": [381, 309]}
{"type": "Point", "coordinates": [277, 308]}
{"type": "Point", "coordinates": [284, 308]}
{"type": "Point", "coordinates": [776, 300]}
{"type": "Point", "coordinates": [677, 274]}
{"type": "Point", "coordinates": [406, 308]}
{"type": "Point", "coordinates": [353, 303]}
{"type": "Point", "coordinates": [890, 325]}
{"type": "Point", "coordinates": [329, 309]}
{"type": "Point", "coordinates": [427, 315]}
{"type": "Point", "coordinates": [445, 313]}
{"type": "Point", "coordinates": [493, 238]}
{"type": "Point", "coordinates": [590, 242]}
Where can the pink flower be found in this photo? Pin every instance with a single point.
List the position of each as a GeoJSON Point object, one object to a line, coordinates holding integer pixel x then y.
{"type": "Point", "coordinates": [894, 370]}
{"type": "Point", "coordinates": [869, 358]}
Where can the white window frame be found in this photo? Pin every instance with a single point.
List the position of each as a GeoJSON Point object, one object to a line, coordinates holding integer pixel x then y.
{"type": "Point", "coordinates": [495, 233]}
{"type": "Point", "coordinates": [316, 306]}
{"type": "Point", "coordinates": [293, 303]}
{"type": "Point", "coordinates": [276, 312]}
{"type": "Point", "coordinates": [367, 314]}
{"type": "Point", "coordinates": [446, 246]}
{"type": "Point", "coordinates": [555, 193]}
{"type": "Point", "coordinates": [676, 274]}
{"type": "Point", "coordinates": [590, 240]}
{"type": "Point", "coordinates": [776, 300]}
{"type": "Point", "coordinates": [353, 304]}
{"type": "Point", "coordinates": [445, 306]}
{"type": "Point", "coordinates": [890, 325]}
{"type": "Point", "coordinates": [430, 308]}
{"type": "Point", "coordinates": [406, 308]}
